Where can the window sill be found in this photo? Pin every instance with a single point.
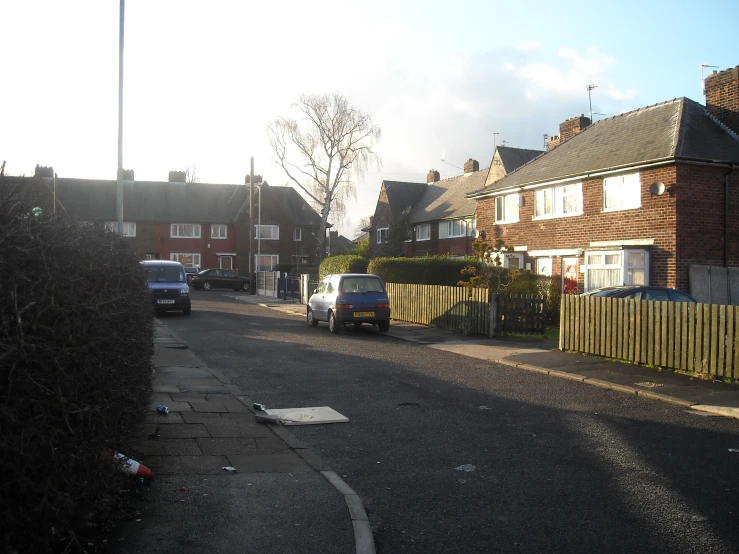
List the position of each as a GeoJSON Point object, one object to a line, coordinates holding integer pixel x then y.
{"type": "Point", "coordinates": [184, 237]}
{"type": "Point", "coordinates": [422, 240]}
{"type": "Point", "coordinates": [609, 210]}
{"type": "Point", "coordinates": [506, 222]}
{"type": "Point", "coordinates": [558, 216]}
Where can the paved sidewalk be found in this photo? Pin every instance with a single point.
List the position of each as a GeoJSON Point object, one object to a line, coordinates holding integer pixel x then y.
{"type": "Point", "coordinates": [542, 356]}
{"type": "Point", "coordinates": [279, 497]}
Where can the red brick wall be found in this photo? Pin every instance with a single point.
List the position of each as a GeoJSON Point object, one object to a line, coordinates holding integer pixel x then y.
{"type": "Point", "coordinates": [722, 96]}
{"type": "Point", "coordinates": [457, 246]}
{"type": "Point", "coordinates": [700, 222]}
{"type": "Point", "coordinates": [383, 218]}
{"type": "Point", "coordinates": [656, 219]}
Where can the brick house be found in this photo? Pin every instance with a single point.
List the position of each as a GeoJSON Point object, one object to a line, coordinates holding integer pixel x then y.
{"type": "Point", "coordinates": [636, 198]}
{"type": "Point", "coordinates": [200, 224]}
{"type": "Point", "coordinates": [442, 218]}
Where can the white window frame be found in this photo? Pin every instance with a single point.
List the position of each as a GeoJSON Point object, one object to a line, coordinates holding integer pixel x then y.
{"type": "Point", "coordinates": [557, 200]}
{"type": "Point", "coordinates": [274, 232]}
{"type": "Point", "coordinates": [381, 235]}
{"type": "Point", "coordinates": [504, 204]}
{"type": "Point", "coordinates": [628, 186]}
{"type": "Point", "coordinates": [547, 261]}
{"type": "Point", "coordinates": [129, 228]}
{"type": "Point", "coordinates": [196, 258]}
{"type": "Point", "coordinates": [622, 265]}
{"type": "Point", "coordinates": [461, 225]}
{"type": "Point", "coordinates": [298, 234]}
{"type": "Point", "coordinates": [176, 231]}
{"type": "Point", "coordinates": [427, 228]}
{"type": "Point", "coordinates": [219, 227]}
{"type": "Point", "coordinates": [507, 257]}
{"type": "Point", "coordinates": [274, 258]}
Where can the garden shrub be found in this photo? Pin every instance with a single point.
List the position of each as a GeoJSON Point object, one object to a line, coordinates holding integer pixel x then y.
{"type": "Point", "coordinates": [345, 263]}
{"type": "Point", "coordinates": [76, 342]}
{"type": "Point", "coordinates": [430, 270]}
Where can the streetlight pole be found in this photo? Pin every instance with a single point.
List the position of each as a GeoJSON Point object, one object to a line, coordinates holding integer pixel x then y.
{"type": "Point", "coordinates": [119, 185]}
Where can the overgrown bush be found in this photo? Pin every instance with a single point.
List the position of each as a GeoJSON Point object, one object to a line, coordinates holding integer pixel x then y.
{"type": "Point", "coordinates": [295, 269]}
{"type": "Point", "coordinates": [76, 341]}
{"type": "Point", "coordinates": [524, 282]}
{"type": "Point", "coordinates": [431, 270]}
{"type": "Point", "coordinates": [342, 264]}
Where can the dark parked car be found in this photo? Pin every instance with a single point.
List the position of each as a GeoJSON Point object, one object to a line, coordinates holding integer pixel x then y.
{"type": "Point", "coordinates": [635, 292]}
{"type": "Point", "coordinates": [350, 298]}
{"type": "Point", "coordinates": [168, 286]}
{"type": "Point", "coordinates": [219, 278]}
{"type": "Point", "coordinates": [190, 271]}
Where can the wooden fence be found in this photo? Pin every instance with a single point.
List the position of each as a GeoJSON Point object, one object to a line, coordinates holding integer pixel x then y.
{"type": "Point", "coordinates": [699, 338]}
{"type": "Point", "coordinates": [454, 308]}
{"type": "Point", "coordinates": [520, 314]}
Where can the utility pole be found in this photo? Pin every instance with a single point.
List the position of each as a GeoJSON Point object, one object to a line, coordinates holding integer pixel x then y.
{"type": "Point", "coordinates": [252, 265]}
{"type": "Point", "coordinates": [119, 185]}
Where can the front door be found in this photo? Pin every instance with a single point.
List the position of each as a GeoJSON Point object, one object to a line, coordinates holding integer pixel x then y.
{"type": "Point", "coordinates": [569, 275]}
{"type": "Point", "coordinates": [226, 262]}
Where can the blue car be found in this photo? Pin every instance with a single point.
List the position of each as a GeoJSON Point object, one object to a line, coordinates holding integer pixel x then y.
{"type": "Point", "coordinates": [168, 286]}
{"type": "Point", "coordinates": [355, 298]}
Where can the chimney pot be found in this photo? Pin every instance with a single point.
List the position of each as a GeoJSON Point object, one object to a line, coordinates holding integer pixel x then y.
{"type": "Point", "coordinates": [44, 171]}
{"type": "Point", "coordinates": [470, 166]}
{"type": "Point", "coordinates": [177, 176]}
{"type": "Point", "coordinates": [126, 174]}
{"type": "Point", "coordinates": [433, 176]}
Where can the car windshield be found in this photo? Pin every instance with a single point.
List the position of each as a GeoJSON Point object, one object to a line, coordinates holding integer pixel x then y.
{"type": "Point", "coordinates": [165, 274]}
{"type": "Point", "coordinates": [361, 284]}
{"type": "Point", "coordinates": [605, 292]}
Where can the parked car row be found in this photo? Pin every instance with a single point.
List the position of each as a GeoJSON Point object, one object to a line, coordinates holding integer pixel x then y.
{"type": "Point", "coordinates": [636, 292]}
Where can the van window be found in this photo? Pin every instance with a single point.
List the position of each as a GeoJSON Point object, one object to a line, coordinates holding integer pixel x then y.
{"type": "Point", "coordinates": [165, 274]}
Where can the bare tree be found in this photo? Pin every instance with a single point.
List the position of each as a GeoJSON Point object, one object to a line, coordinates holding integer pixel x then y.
{"type": "Point", "coordinates": [190, 174]}
{"type": "Point", "coordinates": [364, 223]}
{"type": "Point", "coordinates": [331, 144]}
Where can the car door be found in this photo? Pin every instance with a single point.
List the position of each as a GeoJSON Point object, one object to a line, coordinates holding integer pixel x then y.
{"type": "Point", "coordinates": [216, 278]}
{"type": "Point", "coordinates": [230, 279]}
{"type": "Point", "coordinates": [318, 303]}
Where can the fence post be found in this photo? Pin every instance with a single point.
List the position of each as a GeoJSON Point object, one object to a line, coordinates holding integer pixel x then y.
{"type": "Point", "coordinates": [493, 314]}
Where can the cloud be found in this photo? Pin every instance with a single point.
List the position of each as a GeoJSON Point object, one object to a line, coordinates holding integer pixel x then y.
{"type": "Point", "coordinates": [528, 45]}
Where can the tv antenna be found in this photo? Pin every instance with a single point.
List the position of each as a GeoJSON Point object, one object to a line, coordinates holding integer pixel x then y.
{"type": "Point", "coordinates": [546, 139]}
{"type": "Point", "coordinates": [443, 155]}
{"type": "Point", "coordinates": [704, 66]}
{"type": "Point", "coordinates": [590, 101]}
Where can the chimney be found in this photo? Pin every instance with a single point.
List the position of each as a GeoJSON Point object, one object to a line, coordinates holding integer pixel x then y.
{"type": "Point", "coordinates": [433, 176]}
{"type": "Point", "coordinates": [553, 141]}
{"type": "Point", "coordinates": [470, 166]}
{"type": "Point", "coordinates": [126, 174]}
{"type": "Point", "coordinates": [571, 127]}
{"type": "Point", "coordinates": [722, 96]}
{"type": "Point", "coordinates": [177, 176]}
{"type": "Point", "coordinates": [43, 171]}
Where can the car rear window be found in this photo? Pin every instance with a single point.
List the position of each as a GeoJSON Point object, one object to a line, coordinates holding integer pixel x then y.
{"type": "Point", "coordinates": [165, 274]}
{"type": "Point", "coordinates": [361, 284]}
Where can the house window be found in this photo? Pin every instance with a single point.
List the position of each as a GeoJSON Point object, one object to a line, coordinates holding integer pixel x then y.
{"type": "Point", "coordinates": [185, 231]}
{"type": "Point", "coordinates": [622, 192]}
{"type": "Point", "coordinates": [513, 261]}
{"type": "Point", "coordinates": [265, 262]}
{"type": "Point", "coordinates": [506, 208]}
{"type": "Point", "coordinates": [218, 231]}
{"type": "Point", "coordinates": [267, 232]}
{"type": "Point", "coordinates": [382, 235]}
{"type": "Point", "coordinates": [560, 201]}
{"type": "Point", "coordinates": [188, 259]}
{"type": "Point", "coordinates": [609, 269]}
{"type": "Point", "coordinates": [129, 227]}
{"type": "Point", "coordinates": [297, 234]}
{"type": "Point", "coordinates": [544, 266]}
{"type": "Point", "coordinates": [456, 228]}
{"type": "Point", "coordinates": [423, 232]}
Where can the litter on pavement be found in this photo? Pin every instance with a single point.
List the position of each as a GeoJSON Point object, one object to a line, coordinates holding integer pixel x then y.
{"type": "Point", "coordinates": [308, 416]}
{"type": "Point", "coordinates": [466, 467]}
{"type": "Point", "coordinates": [228, 468]}
{"type": "Point", "coordinates": [263, 417]}
{"type": "Point", "coordinates": [735, 450]}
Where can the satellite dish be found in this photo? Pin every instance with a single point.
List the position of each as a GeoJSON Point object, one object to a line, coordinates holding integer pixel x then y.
{"type": "Point", "coordinates": [657, 188]}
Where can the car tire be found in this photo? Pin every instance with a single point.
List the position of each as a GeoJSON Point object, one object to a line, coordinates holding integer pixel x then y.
{"type": "Point", "coordinates": [206, 285]}
{"type": "Point", "coordinates": [245, 287]}
{"type": "Point", "coordinates": [187, 311]}
{"type": "Point", "coordinates": [333, 325]}
{"type": "Point", "coordinates": [310, 319]}
{"type": "Point", "coordinates": [383, 326]}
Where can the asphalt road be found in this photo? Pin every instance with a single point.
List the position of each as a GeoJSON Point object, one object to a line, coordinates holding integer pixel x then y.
{"type": "Point", "coordinates": [452, 454]}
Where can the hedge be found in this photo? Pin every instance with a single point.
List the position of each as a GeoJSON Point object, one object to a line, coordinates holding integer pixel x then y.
{"type": "Point", "coordinates": [345, 263]}
{"type": "Point", "coordinates": [76, 342]}
{"type": "Point", "coordinates": [431, 270]}
{"type": "Point", "coordinates": [525, 282]}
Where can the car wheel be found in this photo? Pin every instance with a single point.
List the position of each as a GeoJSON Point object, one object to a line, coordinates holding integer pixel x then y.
{"type": "Point", "coordinates": [311, 320]}
{"type": "Point", "coordinates": [206, 286]}
{"type": "Point", "coordinates": [245, 286]}
{"type": "Point", "coordinates": [187, 311]}
{"type": "Point", "coordinates": [333, 325]}
{"type": "Point", "coordinates": [383, 326]}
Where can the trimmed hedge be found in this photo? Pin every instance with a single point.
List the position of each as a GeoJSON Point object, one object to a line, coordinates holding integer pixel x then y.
{"type": "Point", "coordinates": [76, 342]}
{"type": "Point", "coordinates": [295, 269]}
{"type": "Point", "coordinates": [431, 270]}
{"type": "Point", "coordinates": [525, 282]}
{"type": "Point", "coordinates": [345, 263]}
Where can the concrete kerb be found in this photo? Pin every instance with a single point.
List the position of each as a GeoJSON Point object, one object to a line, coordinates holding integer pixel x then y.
{"type": "Point", "coordinates": [363, 539]}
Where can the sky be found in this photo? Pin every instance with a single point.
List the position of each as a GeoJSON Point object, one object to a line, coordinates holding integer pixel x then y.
{"type": "Point", "coordinates": [445, 81]}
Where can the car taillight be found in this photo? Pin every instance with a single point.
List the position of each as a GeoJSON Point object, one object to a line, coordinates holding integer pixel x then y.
{"type": "Point", "coordinates": [382, 305]}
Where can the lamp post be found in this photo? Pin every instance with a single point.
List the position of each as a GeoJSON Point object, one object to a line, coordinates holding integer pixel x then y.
{"type": "Point", "coordinates": [259, 224]}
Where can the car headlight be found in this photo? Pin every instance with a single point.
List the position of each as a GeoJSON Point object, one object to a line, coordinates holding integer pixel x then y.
{"type": "Point", "coordinates": [185, 291]}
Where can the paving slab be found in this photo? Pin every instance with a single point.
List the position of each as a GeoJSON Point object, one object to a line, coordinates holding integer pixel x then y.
{"type": "Point", "coordinates": [231, 428]}
{"type": "Point", "coordinates": [205, 389]}
{"type": "Point", "coordinates": [189, 465]}
{"type": "Point", "coordinates": [185, 372]}
{"type": "Point", "coordinates": [172, 406]}
{"type": "Point", "coordinates": [270, 445]}
{"type": "Point", "coordinates": [160, 388]}
{"type": "Point", "coordinates": [181, 382]}
{"type": "Point", "coordinates": [187, 396]}
{"type": "Point", "coordinates": [226, 447]}
{"type": "Point", "coordinates": [210, 407]}
{"type": "Point", "coordinates": [168, 447]}
{"type": "Point", "coordinates": [172, 418]}
{"type": "Point", "coordinates": [185, 431]}
{"type": "Point", "coordinates": [288, 462]}
{"type": "Point", "coordinates": [176, 357]}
